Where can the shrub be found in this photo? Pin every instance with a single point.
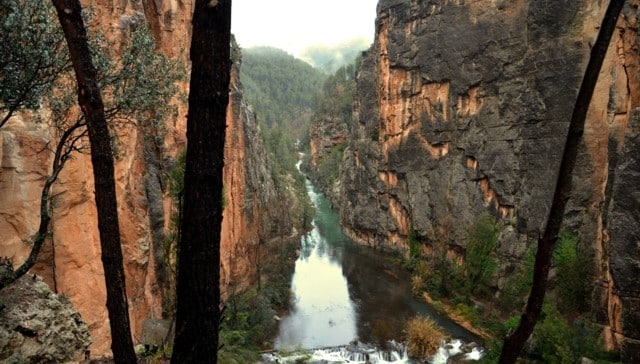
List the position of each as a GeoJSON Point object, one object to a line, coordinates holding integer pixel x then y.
{"type": "Point", "coordinates": [417, 285]}
{"type": "Point", "coordinates": [480, 264]}
{"type": "Point", "coordinates": [574, 271]}
{"type": "Point", "coordinates": [468, 312]}
{"type": "Point", "coordinates": [423, 337]}
{"type": "Point", "coordinates": [516, 289]}
{"type": "Point", "coordinates": [414, 244]}
{"type": "Point", "coordinates": [552, 336]}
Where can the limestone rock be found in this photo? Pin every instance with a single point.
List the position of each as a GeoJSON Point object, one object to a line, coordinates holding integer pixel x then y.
{"type": "Point", "coordinates": [70, 262]}
{"type": "Point", "coordinates": [471, 102]}
{"type": "Point", "coordinates": [38, 326]}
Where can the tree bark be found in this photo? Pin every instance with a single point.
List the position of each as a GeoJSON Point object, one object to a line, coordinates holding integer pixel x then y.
{"type": "Point", "coordinates": [514, 343]}
{"type": "Point", "coordinates": [90, 100]}
{"type": "Point", "coordinates": [198, 286]}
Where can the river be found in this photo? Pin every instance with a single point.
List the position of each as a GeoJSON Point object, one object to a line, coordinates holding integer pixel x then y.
{"type": "Point", "coordinates": [350, 298]}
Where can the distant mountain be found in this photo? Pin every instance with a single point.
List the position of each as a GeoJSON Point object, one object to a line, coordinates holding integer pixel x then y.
{"type": "Point", "coordinates": [281, 87]}
{"type": "Point", "coordinates": [329, 59]}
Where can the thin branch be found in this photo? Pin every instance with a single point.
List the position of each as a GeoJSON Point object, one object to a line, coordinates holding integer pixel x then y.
{"type": "Point", "coordinates": [63, 150]}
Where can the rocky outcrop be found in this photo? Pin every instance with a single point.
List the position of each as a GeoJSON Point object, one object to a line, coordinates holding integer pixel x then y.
{"type": "Point", "coordinates": [39, 326]}
{"type": "Point", "coordinates": [470, 103]}
{"type": "Point", "coordinates": [70, 261]}
{"type": "Point", "coordinates": [325, 136]}
{"type": "Point", "coordinates": [254, 210]}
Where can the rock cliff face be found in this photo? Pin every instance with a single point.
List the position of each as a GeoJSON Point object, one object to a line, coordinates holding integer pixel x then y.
{"type": "Point", "coordinates": [254, 211]}
{"type": "Point", "coordinates": [463, 107]}
{"type": "Point", "coordinates": [70, 261]}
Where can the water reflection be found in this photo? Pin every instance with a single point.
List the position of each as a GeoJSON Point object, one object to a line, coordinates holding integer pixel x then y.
{"type": "Point", "coordinates": [344, 292]}
{"type": "Point", "coordinates": [322, 313]}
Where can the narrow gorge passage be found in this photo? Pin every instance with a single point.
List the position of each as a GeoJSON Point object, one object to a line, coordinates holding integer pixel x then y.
{"type": "Point", "coordinates": [344, 293]}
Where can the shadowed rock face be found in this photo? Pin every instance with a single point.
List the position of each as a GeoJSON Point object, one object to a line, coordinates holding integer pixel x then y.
{"type": "Point", "coordinates": [70, 263]}
{"type": "Point", "coordinates": [471, 102]}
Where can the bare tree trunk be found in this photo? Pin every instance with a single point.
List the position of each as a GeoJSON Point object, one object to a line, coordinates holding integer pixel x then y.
{"type": "Point", "coordinates": [198, 287]}
{"type": "Point", "coordinates": [90, 100]}
{"type": "Point", "coordinates": [514, 343]}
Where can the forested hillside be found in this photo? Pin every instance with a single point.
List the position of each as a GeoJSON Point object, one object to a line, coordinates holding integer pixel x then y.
{"type": "Point", "coordinates": [280, 87]}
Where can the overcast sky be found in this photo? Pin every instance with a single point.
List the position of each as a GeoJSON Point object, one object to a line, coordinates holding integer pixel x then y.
{"type": "Point", "coordinates": [292, 25]}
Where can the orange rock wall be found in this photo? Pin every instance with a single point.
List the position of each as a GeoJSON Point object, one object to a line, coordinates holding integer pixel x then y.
{"type": "Point", "coordinates": [71, 262]}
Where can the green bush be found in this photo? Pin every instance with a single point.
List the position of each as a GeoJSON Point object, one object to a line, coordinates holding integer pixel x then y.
{"type": "Point", "coordinates": [516, 288]}
{"type": "Point", "coordinates": [414, 244]}
{"type": "Point", "coordinates": [480, 264]}
{"type": "Point", "coordinates": [574, 271]}
{"type": "Point", "coordinates": [552, 337]}
{"type": "Point", "coordinates": [329, 167]}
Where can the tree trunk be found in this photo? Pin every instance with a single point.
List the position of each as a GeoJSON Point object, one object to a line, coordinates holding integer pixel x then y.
{"type": "Point", "coordinates": [90, 100]}
{"type": "Point", "coordinates": [198, 286]}
{"type": "Point", "coordinates": [514, 343]}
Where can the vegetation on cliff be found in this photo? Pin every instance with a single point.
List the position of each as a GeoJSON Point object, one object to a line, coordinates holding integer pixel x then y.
{"type": "Point", "coordinates": [464, 288]}
{"type": "Point", "coordinates": [282, 91]}
{"type": "Point", "coordinates": [330, 122]}
{"type": "Point", "coordinates": [281, 88]}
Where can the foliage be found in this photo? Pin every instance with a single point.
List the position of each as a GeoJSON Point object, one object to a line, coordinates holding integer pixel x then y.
{"type": "Point", "coordinates": [573, 271]}
{"type": "Point", "coordinates": [516, 288]}
{"type": "Point", "coordinates": [175, 189]}
{"type": "Point", "coordinates": [556, 339]}
{"type": "Point", "coordinates": [479, 263]}
{"type": "Point", "coordinates": [328, 169]}
{"type": "Point", "coordinates": [138, 87]}
{"type": "Point", "coordinates": [418, 285]}
{"type": "Point", "coordinates": [552, 336]}
{"type": "Point", "coordinates": [336, 101]}
{"type": "Point", "coordinates": [333, 115]}
{"type": "Point", "coordinates": [414, 244]}
{"type": "Point", "coordinates": [445, 277]}
{"type": "Point", "coordinates": [281, 87]}
{"type": "Point", "coordinates": [156, 354]}
{"type": "Point", "coordinates": [249, 323]}
{"type": "Point", "coordinates": [35, 69]}
{"type": "Point", "coordinates": [468, 312]}
{"type": "Point", "coordinates": [34, 54]}
{"type": "Point", "coordinates": [283, 155]}
{"type": "Point", "coordinates": [423, 337]}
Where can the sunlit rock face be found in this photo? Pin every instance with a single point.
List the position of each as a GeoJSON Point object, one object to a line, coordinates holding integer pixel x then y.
{"type": "Point", "coordinates": [71, 263]}
{"type": "Point", "coordinates": [39, 326]}
{"type": "Point", "coordinates": [463, 107]}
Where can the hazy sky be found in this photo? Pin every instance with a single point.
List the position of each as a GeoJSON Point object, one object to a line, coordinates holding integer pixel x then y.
{"type": "Point", "coordinates": [292, 25]}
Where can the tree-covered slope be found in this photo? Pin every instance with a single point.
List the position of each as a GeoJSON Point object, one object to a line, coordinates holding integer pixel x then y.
{"type": "Point", "coordinates": [281, 87]}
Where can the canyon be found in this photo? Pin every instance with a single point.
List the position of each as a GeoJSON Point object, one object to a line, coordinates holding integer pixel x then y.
{"type": "Point", "coordinates": [463, 107]}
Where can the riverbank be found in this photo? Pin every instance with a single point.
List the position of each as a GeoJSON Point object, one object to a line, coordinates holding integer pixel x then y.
{"type": "Point", "coordinates": [449, 311]}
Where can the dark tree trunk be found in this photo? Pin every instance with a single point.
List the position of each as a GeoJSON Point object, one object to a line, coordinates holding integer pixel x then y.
{"type": "Point", "coordinates": [198, 286]}
{"type": "Point", "coordinates": [90, 100]}
{"type": "Point", "coordinates": [514, 343]}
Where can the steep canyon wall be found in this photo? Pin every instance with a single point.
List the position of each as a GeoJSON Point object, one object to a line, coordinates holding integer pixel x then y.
{"type": "Point", "coordinates": [70, 261]}
{"type": "Point", "coordinates": [462, 107]}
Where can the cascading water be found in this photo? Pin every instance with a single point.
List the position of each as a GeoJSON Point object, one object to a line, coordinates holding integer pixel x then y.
{"type": "Point", "coordinates": [347, 297]}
